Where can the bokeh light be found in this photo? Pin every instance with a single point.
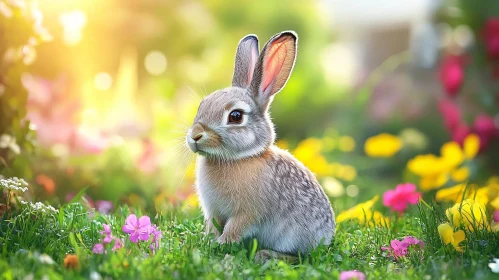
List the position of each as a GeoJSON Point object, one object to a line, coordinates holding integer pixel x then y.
{"type": "Point", "coordinates": [73, 23]}
{"type": "Point", "coordinates": [103, 81]}
{"type": "Point", "coordinates": [352, 190]}
{"type": "Point", "coordinates": [155, 63]}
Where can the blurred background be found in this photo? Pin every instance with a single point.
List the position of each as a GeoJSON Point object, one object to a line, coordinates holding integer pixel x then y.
{"type": "Point", "coordinates": [98, 94]}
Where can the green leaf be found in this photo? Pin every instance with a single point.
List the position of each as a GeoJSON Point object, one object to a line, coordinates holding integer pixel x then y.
{"type": "Point", "coordinates": [78, 196]}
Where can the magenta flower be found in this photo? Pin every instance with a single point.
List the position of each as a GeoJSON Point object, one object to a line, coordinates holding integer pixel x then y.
{"type": "Point", "coordinates": [156, 237]}
{"type": "Point", "coordinates": [398, 249]}
{"type": "Point", "coordinates": [491, 37]}
{"type": "Point", "coordinates": [104, 206]}
{"type": "Point", "coordinates": [108, 237]}
{"type": "Point", "coordinates": [352, 274]}
{"type": "Point", "coordinates": [118, 244]}
{"type": "Point", "coordinates": [451, 114]}
{"type": "Point", "coordinates": [98, 248]}
{"type": "Point", "coordinates": [451, 74]}
{"type": "Point", "coordinates": [398, 199]}
{"type": "Point", "coordinates": [139, 229]}
{"type": "Point", "coordinates": [496, 216]}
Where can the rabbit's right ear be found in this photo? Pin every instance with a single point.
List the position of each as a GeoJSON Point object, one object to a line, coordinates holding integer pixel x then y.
{"type": "Point", "coordinates": [246, 57]}
{"type": "Point", "coordinates": [274, 67]}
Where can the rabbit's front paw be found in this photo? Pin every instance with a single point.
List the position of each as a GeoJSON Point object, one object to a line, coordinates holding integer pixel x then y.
{"type": "Point", "coordinates": [226, 238]}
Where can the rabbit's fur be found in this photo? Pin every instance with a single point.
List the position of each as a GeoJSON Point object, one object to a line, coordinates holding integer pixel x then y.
{"type": "Point", "coordinates": [251, 188]}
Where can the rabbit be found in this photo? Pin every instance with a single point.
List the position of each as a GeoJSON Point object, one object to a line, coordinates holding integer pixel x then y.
{"type": "Point", "coordinates": [246, 184]}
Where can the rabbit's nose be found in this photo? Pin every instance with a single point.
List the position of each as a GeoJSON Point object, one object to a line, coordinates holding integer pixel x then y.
{"type": "Point", "coordinates": [197, 137]}
{"type": "Point", "coordinates": [197, 132]}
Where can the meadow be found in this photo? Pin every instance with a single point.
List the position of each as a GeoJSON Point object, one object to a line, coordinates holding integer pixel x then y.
{"type": "Point", "coordinates": [398, 119]}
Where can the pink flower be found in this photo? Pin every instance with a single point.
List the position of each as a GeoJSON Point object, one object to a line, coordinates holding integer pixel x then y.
{"type": "Point", "coordinates": [156, 237]}
{"type": "Point", "coordinates": [98, 249]}
{"type": "Point", "coordinates": [104, 206]}
{"type": "Point", "coordinates": [139, 229]}
{"type": "Point", "coordinates": [107, 234]}
{"type": "Point", "coordinates": [398, 249]}
{"type": "Point", "coordinates": [398, 199]}
{"type": "Point", "coordinates": [451, 74]}
{"type": "Point", "coordinates": [491, 37]}
{"type": "Point", "coordinates": [485, 128]}
{"type": "Point", "coordinates": [450, 113]}
{"type": "Point", "coordinates": [496, 216]}
{"type": "Point", "coordinates": [352, 274]}
{"type": "Point", "coordinates": [118, 244]}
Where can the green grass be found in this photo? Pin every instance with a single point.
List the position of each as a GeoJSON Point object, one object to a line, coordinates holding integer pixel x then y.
{"type": "Point", "coordinates": [185, 253]}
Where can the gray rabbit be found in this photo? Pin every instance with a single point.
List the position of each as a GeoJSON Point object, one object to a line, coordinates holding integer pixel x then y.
{"type": "Point", "coordinates": [250, 187]}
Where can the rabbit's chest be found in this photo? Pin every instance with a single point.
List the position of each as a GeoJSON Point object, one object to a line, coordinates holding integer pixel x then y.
{"type": "Point", "coordinates": [224, 189]}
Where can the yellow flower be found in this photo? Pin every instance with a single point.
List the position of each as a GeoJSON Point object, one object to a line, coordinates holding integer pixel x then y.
{"type": "Point", "coordinates": [471, 146]}
{"type": "Point", "coordinates": [192, 201]}
{"type": "Point", "coordinates": [448, 235]}
{"type": "Point", "coordinates": [469, 213]}
{"type": "Point", "coordinates": [454, 194]}
{"type": "Point", "coordinates": [382, 145]}
{"type": "Point", "coordinates": [427, 165]}
{"type": "Point", "coordinates": [283, 144]}
{"type": "Point", "coordinates": [432, 182]}
{"type": "Point", "coordinates": [452, 155]}
{"type": "Point", "coordinates": [357, 210]}
{"type": "Point", "coordinates": [460, 174]}
{"type": "Point", "coordinates": [495, 203]}
{"type": "Point", "coordinates": [308, 152]}
{"type": "Point", "coordinates": [363, 213]}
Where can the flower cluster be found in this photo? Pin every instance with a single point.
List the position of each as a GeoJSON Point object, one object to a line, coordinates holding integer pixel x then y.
{"type": "Point", "coordinates": [399, 249]}
{"type": "Point", "coordinates": [108, 239]}
{"type": "Point", "coordinates": [452, 78]}
{"type": "Point", "coordinates": [141, 229]}
{"type": "Point", "coordinates": [14, 184]}
{"type": "Point", "coordinates": [309, 152]}
{"type": "Point", "coordinates": [39, 207]}
{"type": "Point", "coordinates": [434, 171]}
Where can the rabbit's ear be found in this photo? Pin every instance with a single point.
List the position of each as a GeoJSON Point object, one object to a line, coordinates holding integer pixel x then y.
{"type": "Point", "coordinates": [274, 67]}
{"type": "Point", "coordinates": [246, 57]}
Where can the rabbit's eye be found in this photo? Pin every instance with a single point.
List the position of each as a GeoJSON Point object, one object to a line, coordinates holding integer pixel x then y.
{"type": "Point", "coordinates": [235, 117]}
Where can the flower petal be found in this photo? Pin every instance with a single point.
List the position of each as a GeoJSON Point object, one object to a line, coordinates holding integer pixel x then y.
{"type": "Point", "coordinates": [132, 220]}
{"type": "Point", "coordinates": [134, 237]}
{"type": "Point", "coordinates": [144, 221]}
{"type": "Point", "coordinates": [128, 228]}
{"type": "Point", "coordinates": [446, 233]}
{"type": "Point", "coordinates": [471, 146]}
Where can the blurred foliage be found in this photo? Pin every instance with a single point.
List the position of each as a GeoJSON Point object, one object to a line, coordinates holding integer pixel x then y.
{"type": "Point", "coordinates": [21, 31]}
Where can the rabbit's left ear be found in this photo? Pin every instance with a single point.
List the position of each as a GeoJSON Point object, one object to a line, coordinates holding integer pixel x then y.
{"type": "Point", "coordinates": [274, 67]}
{"type": "Point", "coordinates": [246, 57]}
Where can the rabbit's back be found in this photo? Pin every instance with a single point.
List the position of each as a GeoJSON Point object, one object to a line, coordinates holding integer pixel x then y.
{"type": "Point", "coordinates": [291, 212]}
{"type": "Point", "coordinates": [302, 214]}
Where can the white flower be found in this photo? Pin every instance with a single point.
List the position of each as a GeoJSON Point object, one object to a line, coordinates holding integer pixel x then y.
{"type": "Point", "coordinates": [494, 266]}
{"type": "Point", "coordinates": [14, 184]}
{"type": "Point", "coordinates": [40, 207]}
{"type": "Point", "coordinates": [46, 259]}
{"type": "Point", "coordinates": [95, 276]}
